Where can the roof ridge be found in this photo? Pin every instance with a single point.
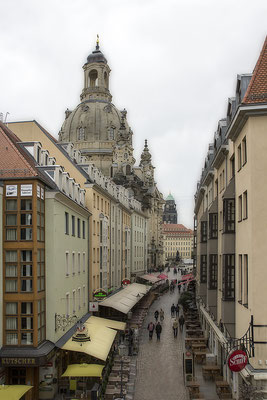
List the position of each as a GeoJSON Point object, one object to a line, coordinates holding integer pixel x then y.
{"type": "Point", "coordinates": [257, 88]}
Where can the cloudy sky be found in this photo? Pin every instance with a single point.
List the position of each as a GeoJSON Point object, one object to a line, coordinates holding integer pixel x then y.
{"type": "Point", "coordinates": [174, 64]}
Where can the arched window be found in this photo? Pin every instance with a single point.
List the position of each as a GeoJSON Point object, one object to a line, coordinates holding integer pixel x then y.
{"type": "Point", "coordinates": [128, 170]}
{"type": "Point", "coordinates": [106, 79]}
{"type": "Point", "coordinates": [111, 133]}
{"type": "Point", "coordinates": [93, 78]}
{"type": "Point", "coordinates": [81, 133]}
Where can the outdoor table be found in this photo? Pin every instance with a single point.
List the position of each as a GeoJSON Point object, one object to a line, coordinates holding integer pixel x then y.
{"type": "Point", "coordinates": [193, 388]}
{"type": "Point", "coordinates": [111, 392]}
{"type": "Point", "coordinates": [211, 371]}
{"type": "Point", "coordinates": [117, 378]}
{"type": "Point", "coordinates": [191, 340]}
{"type": "Point", "coordinates": [199, 346]}
{"type": "Point", "coordinates": [222, 387]}
{"type": "Point", "coordinates": [200, 356]}
{"type": "Point", "coordinates": [124, 370]}
{"type": "Point", "coordinates": [192, 332]}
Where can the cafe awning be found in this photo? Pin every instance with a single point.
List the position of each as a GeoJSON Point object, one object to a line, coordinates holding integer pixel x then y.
{"type": "Point", "coordinates": [109, 323]}
{"type": "Point", "coordinates": [13, 392]}
{"type": "Point", "coordinates": [149, 278]}
{"type": "Point", "coordinates": [163, 276]}
{"type": "Point", "coordinates": [125, 299]}
{"type": "Point", "coordinates": [82, 370]}
{"type": "Point", "coordinates": [101, 337]}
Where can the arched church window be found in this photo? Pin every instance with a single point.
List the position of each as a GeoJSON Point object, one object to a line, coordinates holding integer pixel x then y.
{"type": "Point", "coordinates": [126, 156]}
{"type": "Point", "coordinates": [111, 133]}
{"type": "Point", "coordinates": [93, 78]}
{"type": "Point", "coordinates": [106, 79]}
{"type": "Point", "coordinates": [128, 169]}
{"type": "Point", "coordinates": [81, 133]}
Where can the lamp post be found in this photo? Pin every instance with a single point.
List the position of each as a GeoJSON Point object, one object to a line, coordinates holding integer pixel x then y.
{"type": "Point", "coordinates": [122, 352]}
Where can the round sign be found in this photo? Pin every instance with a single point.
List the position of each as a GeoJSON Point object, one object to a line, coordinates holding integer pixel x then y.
{"type": "Point", "coordinates": [237, 360]}
{"type": "Point", "coordinates": [126, 282]}
{"type": "Point", "coordinates": [100, 294]}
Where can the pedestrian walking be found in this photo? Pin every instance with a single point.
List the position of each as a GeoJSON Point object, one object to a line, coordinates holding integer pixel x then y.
{"type": "Point", "coordinates": [181, 323]}
{"type": "Point", "coordinates": [172, 310]}
{"type": "Point", "coordinates": [175, 327]}
{"type": "Point", "coordinates": [161, 315]}
{"type": "Point", "coordinates": [156, 315]}
{"type": "Point", "coordinates": [150, 328]}
{"type": "Point", "coordinates": [158, 330]}
{"type": "Point", "coordinates": [177, 310]}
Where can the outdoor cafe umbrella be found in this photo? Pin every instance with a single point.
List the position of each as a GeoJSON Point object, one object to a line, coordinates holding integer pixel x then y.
{"type": "Point", "coordinates": [13, 392]}
{"type": "Point", "coordinates": [84, 370]}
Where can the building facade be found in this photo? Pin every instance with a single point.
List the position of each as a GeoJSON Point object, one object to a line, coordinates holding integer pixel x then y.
{"type": "Point", "coordinates": [230, 232]}
{"type": "Point", "coordinates": [177, 242]}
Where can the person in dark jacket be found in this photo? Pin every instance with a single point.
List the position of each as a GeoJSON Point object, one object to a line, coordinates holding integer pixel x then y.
{"type": "Point", "coordinates": [156, 315]}
{"type": "Point", "coordinates": [177, 310]}
{"type": "Point", "coordinates": [181, 323]}
{"type": "Point", "coordinates": [158, 330]}
{"type": "Point", "coordinates": [172, 309]}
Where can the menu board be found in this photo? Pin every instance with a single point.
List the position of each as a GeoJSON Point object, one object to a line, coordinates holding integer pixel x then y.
{"type": "Point", "coordinates": [26, 190]}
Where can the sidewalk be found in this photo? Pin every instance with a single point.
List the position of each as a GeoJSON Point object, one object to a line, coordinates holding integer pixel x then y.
{"type": "Point", "coordinates": [159, 364]}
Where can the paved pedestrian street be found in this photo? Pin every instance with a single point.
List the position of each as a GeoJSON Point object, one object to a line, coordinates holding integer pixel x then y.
{"type": "Point", "coordinates": [159, 364]}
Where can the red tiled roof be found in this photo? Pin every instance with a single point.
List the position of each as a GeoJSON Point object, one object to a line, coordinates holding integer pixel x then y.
{"type": "Point", "coordinates": [166, 228]}
{"type": "Point", "coordinates": [257, 89]}
{"type": "Point", "coordinates": [13, 163]}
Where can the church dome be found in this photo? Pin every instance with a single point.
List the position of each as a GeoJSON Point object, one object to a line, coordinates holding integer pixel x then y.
{"type": "Point", "coordinates": [96, 57]}
{"type": "Point", "coordinates": [92, 121]}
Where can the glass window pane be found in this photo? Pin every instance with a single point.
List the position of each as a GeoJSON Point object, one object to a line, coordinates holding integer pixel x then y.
{"type": "Point", "coordinates": [11, 270]}
{"type": "Point", "coordinates": [11, 234]}
{"type": "Point", "coordinates": [11, 256]}
{"type": "Point", "coordinates": [26, 233]}
{"type": "Point", "coordinates": [26, 285]}
{"type": "Point", "coordinates": [26, 323]}
{"type": "Point", "coordinates": [11, 219]}
{"type": "Point", "coordinates": [27, 338]}
{"type": "Point", "coordinates": [11, 285]}
{"type": "Point", "coordinates": [26, 270]}
{"type": "Point", "coordinates": [26, 219]}
{"type": "Point", "coordinates": [11, 205]}
{"type": "Point", "coordinates": [26, 255]}
{"type": "Point", "coordinates": [11, 308]}
{"type": "Point", "coordinates": [11, 323]}
{"type": "Point", "coordinates": [26, 204]}
{"type": "Point", "coordinates": [26, 308]}
{"type": "Point", "coordinates": [11, 338]}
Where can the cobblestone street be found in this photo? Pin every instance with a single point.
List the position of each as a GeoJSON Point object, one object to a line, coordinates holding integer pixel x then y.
{"type": "Point", "coordinates": [159, 364]}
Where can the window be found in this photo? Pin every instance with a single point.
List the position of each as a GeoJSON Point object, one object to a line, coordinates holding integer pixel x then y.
{"type": "Point", "coordinates": [229, 277]}
{"type": "Point", "coordinates": [83, 229]}
{"type": "Point", "coordinates": [239, 158]}
{"type": "Point", "coordinates": [67, 304]}
{"type": "Point", "coordinates": [97, 202]}
{"type": "Point", "coordinates": [79, 263]}
{"type": "Point", "coordinates": [245, 205]}
{"type": "Point", "coordinates": [94, 200]}
{"type": "Point", "coordinates": [73, 225]}
{"type": "Point", "coordinates": [79, 298]}
{"type": "Point", "coordinates": [84, 295]}
{"type": "Point", "coordinates": [203, 269]}
{"type": "Point", "coordinates": [229, 215]}
{"type": "Point", "coordinates": [232, 166]}
{"type": "Point", "coordinates": [73, 301]}
{"type": "Point", "coordinates": [66, 223]}
{"type": "Point", "coordinates": [11, 205]}
{"type": "Point", "coordinates": [83, 262]}
{"type": "Point", "coordinates": [240, 279]}
{"type": "Point", "coordinates": [78, 227]}
{"type": "Point", "coordinates": [240, 208]}
{"type": "Point", "coordinates": [245, 280]}
{"type": "Point", "coordinates": [244, 151]}
{"type": "Point", "coordinates": [26, 233]}
{"type": "Point", "coordinates": [67, 264]}
{"type": "Point", "coordinates": [203, 232]}
{"type": "Point", "coordinates": [73, 263]}
{"type": "Point", "coordinates": [213, 271]}
{"type": "Point", "coordinates": [213, 226]}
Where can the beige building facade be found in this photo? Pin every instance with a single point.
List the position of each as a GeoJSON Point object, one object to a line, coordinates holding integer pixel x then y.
{"type": "Point", "coordinates": [230, 232]}
{"type": "Point", "coordinates": [177, 238]}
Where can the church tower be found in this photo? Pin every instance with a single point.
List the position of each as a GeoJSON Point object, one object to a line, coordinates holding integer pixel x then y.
{"type": "Point", "coordinates": [147, 167]}
{"type": "Point", "coordinates": [170, 212]}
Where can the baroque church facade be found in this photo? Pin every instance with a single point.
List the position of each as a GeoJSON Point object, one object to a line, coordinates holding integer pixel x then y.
{"type": "Point", "coordinates": [103, 136]}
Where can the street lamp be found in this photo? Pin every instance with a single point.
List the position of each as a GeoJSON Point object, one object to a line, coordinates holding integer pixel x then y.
{"type": "Point", "coordinates": [122, 352]}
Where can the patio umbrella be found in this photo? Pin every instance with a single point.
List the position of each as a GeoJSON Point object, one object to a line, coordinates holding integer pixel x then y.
{"type": "Point", "coordinates": [13, 392]}
{"type": "Point", "coordinates": [84, 370]}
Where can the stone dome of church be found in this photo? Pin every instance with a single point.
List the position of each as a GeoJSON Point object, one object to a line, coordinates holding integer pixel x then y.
{"type": "Point", "coordinates": [96, 56]}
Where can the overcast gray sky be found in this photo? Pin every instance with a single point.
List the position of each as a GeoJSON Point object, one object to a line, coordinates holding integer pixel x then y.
{"type": "Point", "coordinates": [174, 64]}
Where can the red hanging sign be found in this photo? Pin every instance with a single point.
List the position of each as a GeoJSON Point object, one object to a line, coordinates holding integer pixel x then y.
{"type": "Point", "coordinates": [237, 360]}
{"type": "Point", "coordinates": [126, 282]}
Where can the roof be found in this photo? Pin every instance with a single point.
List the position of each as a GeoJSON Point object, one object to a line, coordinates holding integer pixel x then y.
{"type": "Point", "coordinates": [96, 56]}
{"type": "Point", "coordinates": [257, 89]}
{"type": "Point", "coordinates": [176, 228]}
{"type": "Point", "coordinates": [170, 197]}
{"type": "Point", "coordinates": [15, 161]}
{"type": "Point", "coordinates": [125, 299]}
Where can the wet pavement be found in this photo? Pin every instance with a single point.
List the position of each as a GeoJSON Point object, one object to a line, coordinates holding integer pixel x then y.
{"type": "Point", "coordinates": [159, 363]}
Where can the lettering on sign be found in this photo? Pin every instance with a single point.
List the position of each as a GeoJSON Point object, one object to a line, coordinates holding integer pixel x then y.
{"type": "Point", "coordinates": [237, 360]}
{"type": "Point", "coordinates": [18, 361]}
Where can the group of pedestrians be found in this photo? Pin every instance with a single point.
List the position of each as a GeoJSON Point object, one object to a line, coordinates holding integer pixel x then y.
{"type": "Point", "coordinates": [157, 327]}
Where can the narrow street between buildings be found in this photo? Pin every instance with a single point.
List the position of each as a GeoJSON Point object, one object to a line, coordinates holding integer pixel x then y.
{"type": "Point", "coordinates": [159, 363]}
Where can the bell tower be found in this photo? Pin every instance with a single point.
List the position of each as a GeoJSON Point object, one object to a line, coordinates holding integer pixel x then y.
{"type": "Point", "coordinates": [96, 76]}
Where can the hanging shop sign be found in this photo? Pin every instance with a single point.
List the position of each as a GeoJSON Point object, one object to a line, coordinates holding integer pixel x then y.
{"type": "Point", "coordinates": [99, 294]}
{"type": "Point", "coordinates": [93, 306]}
{"type": "Point", "coordinates": [125, 282]}
{"type": "Point", "coordinates": [237, 360]}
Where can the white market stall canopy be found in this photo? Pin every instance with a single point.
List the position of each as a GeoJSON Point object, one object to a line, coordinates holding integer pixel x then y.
{"type": "Point", "coordinates": [125, 299]}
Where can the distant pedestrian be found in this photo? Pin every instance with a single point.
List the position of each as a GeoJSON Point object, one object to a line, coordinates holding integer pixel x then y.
{"type": "Point", "coordinates": [161, 315]}
{"type": "Point", "coordinates": [177, 310]}
{"type": "Point", "coordinates": [150, 328]}
{"type": "Point", "coordinates": [172, 309]}
{"type": "Point", "coordinates": [156, 315]}
{"type": "Point", "coordinates": [181, 323]}
{"type": "Point", "coordinates": [158, 330]}
{"type": "Point", "coordinates": [175, 327]}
